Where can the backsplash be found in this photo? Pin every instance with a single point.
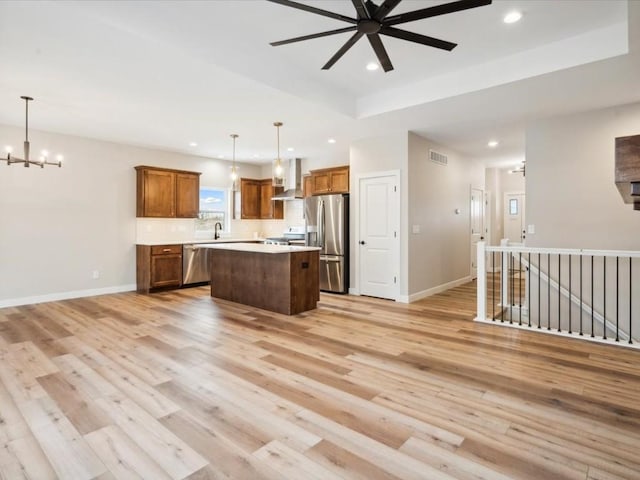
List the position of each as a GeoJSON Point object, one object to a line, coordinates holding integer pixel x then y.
{"type": "Point", "coordinates": [183, 229]}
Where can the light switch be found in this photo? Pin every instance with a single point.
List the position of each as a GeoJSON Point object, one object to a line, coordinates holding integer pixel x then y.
{"type": "Point", "coordinates": [415, 229]}
{"type": "Point", "coordinates": [531, 229]}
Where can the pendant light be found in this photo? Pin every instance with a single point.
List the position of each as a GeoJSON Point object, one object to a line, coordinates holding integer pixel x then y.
{"type": "Point", "coordinates": [234, 168]}
{"type": "Point", "coordinates": [278, 170]}
{"type": "Point", "coordinates": [44, 155]}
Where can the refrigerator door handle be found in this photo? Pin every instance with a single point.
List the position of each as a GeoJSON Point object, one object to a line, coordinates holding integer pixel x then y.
{"type": "Point", "coordinates": [321, 223]}
{"type": "Point", "coordinates": [325, 258]}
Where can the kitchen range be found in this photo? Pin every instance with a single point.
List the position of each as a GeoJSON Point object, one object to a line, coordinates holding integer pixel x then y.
{"type": "Point", "coordinates": [293, 236]}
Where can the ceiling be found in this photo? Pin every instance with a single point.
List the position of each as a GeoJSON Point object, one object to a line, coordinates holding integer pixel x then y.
{"type": "Point", "coordinates": [164, 74]}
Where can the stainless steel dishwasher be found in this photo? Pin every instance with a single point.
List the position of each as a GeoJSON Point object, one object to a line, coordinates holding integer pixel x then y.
{"type": "Point", "coordinates": [195, 264]}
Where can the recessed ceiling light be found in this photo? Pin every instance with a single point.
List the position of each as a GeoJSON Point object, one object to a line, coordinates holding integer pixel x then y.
{"type": "Point", "coordinates": [332, 140]}
{"type": "Point", "coordinates": [372, 66]}
{"type": "Point", "coordinates": [221, 156]}
{"type": "Point", "coordinates": [290, 149]}
{"type": "Point", "coordinates": [256, 156]}
{"type": "Point", "coordinates": [492, 143]}
{"type": "Point", "coordinates": [512, 17]}
{"type": "Point", "coordinates": [193, 144]}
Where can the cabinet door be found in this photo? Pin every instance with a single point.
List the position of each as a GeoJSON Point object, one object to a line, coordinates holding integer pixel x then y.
{"type": "Point", "coordinates": [270, 209]}
{"type": "Point", "coordinates": [321, 183]}
{"type": "Point", "coordinates": [166, 270]}
{"type": "Point", "coordinates": [158, 194]}
{"type": "Point", "coordinates": [187, 195]}
{"type": "Point", "coordinates": [339, 180]}
{"type": "Point", "coordinates": [307, 186]}
{"type": "Point", "coordinates": [249, 198]}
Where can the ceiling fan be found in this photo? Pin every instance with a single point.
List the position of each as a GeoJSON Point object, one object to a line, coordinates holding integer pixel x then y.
{"type": "Point", "coordinates": [374, 20]}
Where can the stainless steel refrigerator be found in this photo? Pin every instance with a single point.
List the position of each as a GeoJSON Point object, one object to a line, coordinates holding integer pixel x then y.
{"type": "Point", "coordinates": [327, 227]}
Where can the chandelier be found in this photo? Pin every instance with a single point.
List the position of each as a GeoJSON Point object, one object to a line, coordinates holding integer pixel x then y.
{"type": "Point", "coordinates": [234, 168]}
{"type": "Point", "coordinates": [278, 171]}
{"type": "Point", "coordinates": [43, 159]}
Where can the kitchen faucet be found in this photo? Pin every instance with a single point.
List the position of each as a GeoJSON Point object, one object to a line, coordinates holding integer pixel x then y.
{"type": "Point", "coordinates": [216, 235]}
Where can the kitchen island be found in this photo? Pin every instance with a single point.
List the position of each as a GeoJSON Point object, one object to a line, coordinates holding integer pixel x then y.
{"type": "Point", "coordinates": [279, 278]}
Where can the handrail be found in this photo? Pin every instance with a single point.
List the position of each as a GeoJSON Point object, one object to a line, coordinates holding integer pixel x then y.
{"type": "Point", "coordinates": [566, 251]}
{"type": "Point", "coordinates": [600, 299]}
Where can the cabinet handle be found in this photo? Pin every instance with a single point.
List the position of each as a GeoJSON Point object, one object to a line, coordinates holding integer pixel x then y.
{"type": "Point", "coordinates": [166, 250]}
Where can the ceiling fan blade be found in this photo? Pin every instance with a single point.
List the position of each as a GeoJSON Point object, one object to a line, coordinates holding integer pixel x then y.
{"type": "Point", "coordinates": [313, 35]}
{"type": "Point", "coordinates": [361, 8]}
{"type": "Point", "coordinates": [417, 38]}
{"type": "Point", "coordinates": [317, 11]}
{"type": "Point", "coordinates": [385, 9]}
{"type": "Point", "coordinates": [356, 36]}
{"type": "Point", "coordinates": [381, 52]}
{"type": "Point", "coordinates": [435, 11]}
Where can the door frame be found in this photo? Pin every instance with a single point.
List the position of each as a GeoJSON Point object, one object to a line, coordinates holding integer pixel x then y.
{"type": "Point", "coordinates": [484, 230]}
{"type": "Point", "coordinates": [355, 209]}
{"type": "Point", "coordinates": [504, 209]}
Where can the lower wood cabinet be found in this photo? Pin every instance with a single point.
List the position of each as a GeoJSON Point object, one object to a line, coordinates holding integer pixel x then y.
{"type": "Point", "coordinates": [158, 266]}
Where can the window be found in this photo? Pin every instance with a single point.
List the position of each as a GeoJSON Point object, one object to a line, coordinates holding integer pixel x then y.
{"type": "Point", "coordinates": [513, 206]}
{"type": "Point", "coordinates": [214, 207]}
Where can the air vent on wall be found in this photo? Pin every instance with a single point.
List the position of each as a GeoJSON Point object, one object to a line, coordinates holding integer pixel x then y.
{"type": "Point", "coordinates": [439, 158]}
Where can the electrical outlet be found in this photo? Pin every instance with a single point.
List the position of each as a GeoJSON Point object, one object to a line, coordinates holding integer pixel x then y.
{"type": "Point", "coordinates": [531, 229]}
{"type": "Point", "coordinates": [96, 274]}
{"type": "Point", "coordinates": [415, 229]}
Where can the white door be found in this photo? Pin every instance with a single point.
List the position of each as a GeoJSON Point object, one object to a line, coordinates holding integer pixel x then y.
{"type": "Point", "coordinates": [477, 209]}
{"type": "Point", "coordinates": [378, 236]}
{"type": "Point", "coordinates": [513, 216]}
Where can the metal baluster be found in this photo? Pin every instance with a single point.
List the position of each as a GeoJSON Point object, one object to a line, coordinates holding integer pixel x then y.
{"type": "Point", "coordinates": [570, 257]}
{"type": "Point", "coordinates": [580, 294]}
{"type": "Point", "coordinates": [501, 291]}
{"type": "Point", "coordinates": [592, 299]}
{"type": "Point", "coordinates": [604, 294]}
{"type": "Point", "coordinates": [630, 302]}
{"type": "Point", "coordinates": [559, 293]}
{"type": "Point", "coordinates": [539, 291]}
{"type": "Point", "coordinates": [493, 285]}
{"type": "Point", "coordinates": [617, 299]}
{"type": "Point", "coordinates": [519, 288]}
{"type": "Point", "coordinates": [548, 291]}
{"type": "Point", "coordinates": [529, 289]}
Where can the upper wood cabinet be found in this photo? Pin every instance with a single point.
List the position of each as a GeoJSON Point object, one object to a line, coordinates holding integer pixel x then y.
{"type": "Point", "coordinates": [328, 180]}
{"type": "Point", "coordinates": [167, 193]}
{"type": "Point", "coordinates": [307, 185]}
{"type": "Point", "coordinates": [255, 200]}
{"type": "Point", "coordinates": [249, 198]}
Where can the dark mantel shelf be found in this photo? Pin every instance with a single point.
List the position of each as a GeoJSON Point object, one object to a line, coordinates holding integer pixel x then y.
{"type": "Point", "coordinates": [283, 280]}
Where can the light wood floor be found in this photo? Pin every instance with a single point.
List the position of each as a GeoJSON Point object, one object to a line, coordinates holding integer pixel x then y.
{"type": "Point", "coordinates": [176, 385]}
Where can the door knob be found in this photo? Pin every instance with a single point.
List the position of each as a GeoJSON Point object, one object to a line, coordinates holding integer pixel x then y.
{"type": "Point", "coordinates": [362, 242]}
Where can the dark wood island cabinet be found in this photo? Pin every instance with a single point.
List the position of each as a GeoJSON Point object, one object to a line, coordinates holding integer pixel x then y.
{"type": "Point", "coordinates": [283, 279]}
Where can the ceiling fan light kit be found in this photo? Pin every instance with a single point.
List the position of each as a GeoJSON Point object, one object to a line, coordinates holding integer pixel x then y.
{"type": "Point", "coordinates": [26, 161]}
{"type": "Point", "coordinates": [375, 20]}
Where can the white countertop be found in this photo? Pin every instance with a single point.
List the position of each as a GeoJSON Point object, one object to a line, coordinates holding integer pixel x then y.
{"type": "Point", "coordinates": [199, 241]}
{"type": "Point", "coordinates": [259, 247]}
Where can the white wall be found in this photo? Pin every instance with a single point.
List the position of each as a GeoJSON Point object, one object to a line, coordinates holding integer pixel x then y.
{"type": "Point", "coordinates": [499, 181]}
{"type": "Point", "coordinates": [440, 253]}
{"type": "Point", "coordinates": [571, 196]}
{"type": "Point", "coordinates": [379, 154]}
{"type": "Point", "coordinates": [58, 225]}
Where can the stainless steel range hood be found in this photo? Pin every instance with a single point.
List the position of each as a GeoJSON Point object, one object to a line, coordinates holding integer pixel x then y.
{"type": "Point", "coordinates": [293, 182]}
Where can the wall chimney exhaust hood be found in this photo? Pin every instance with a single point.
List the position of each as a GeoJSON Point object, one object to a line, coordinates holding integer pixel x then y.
{"type": "Point", "coordinates": [293, 182]}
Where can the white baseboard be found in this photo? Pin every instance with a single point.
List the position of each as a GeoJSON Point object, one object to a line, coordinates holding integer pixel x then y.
{"type": "Point", "coordinates": [52, 297]}
{"type": "Point", "coordinates": [354, 291]}
{"type": "Point", "coordinates": [432, 291]}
